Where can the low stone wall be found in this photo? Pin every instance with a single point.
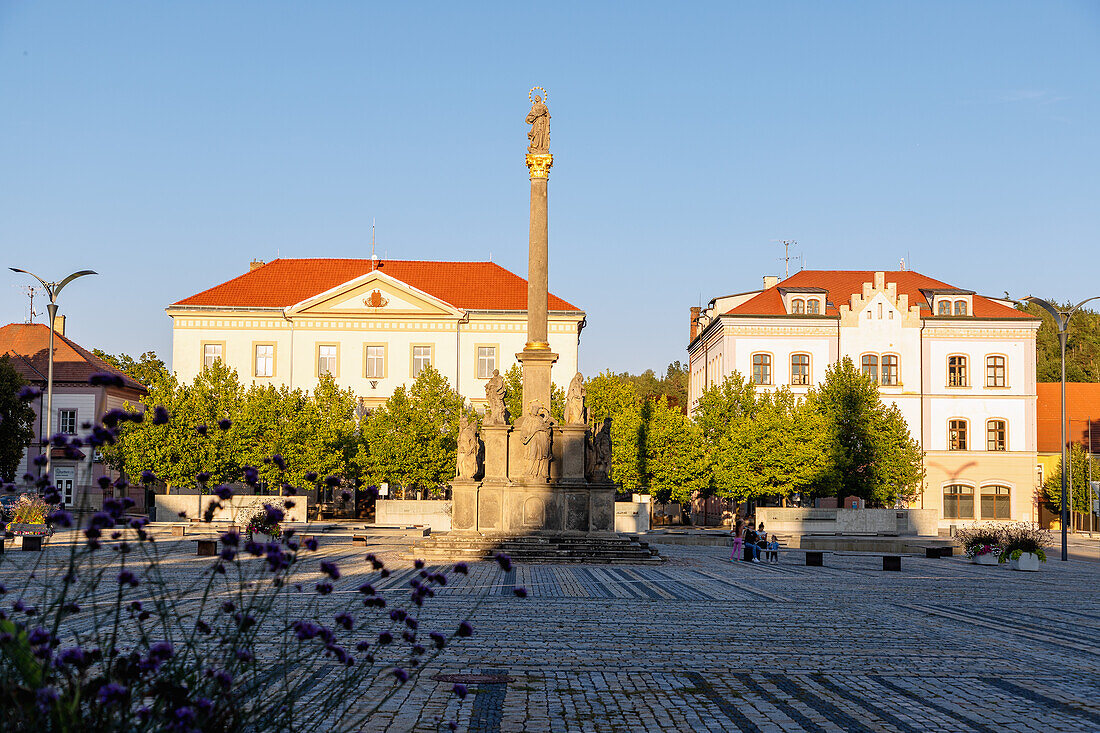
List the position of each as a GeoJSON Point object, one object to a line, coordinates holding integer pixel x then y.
{"type": "Point", "coordinates": [170, 506]}
{"type": "Point", "coordinates": [888, 522]}
{"type": "Point", "coordinates": [632, 516]}
{"type": "Point", "coordinates": [434, 513]}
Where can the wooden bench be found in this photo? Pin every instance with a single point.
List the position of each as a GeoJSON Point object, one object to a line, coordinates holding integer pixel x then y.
{"type": "Point", "coordinates": [206, 547]}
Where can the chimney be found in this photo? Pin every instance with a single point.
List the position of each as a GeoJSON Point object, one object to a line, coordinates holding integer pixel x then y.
{"type": "Point", "coordinates": [254, 264]}
{"type": "Point", "coordinates": [59, 325]}
{"type": "Point", "coordinates": [770, 281]}
{"type": "Point", "coordinates": [694, 323]}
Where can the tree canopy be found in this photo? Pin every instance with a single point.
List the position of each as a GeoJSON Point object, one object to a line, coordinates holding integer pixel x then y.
{"type": "Point", "coordinates": [1082, 345]}
{"type": "Point", "coordinates": [16, 420]}
{"type": "Point", "coordinates": [1079, 472]}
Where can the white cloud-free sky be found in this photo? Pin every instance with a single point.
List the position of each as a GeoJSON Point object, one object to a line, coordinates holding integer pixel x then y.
{"type": "Point", "coordinates": [167, 144]}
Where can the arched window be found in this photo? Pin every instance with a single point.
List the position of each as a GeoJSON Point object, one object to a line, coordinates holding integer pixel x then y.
{"type": "Point", "coordinates": [761, 369]}
{"type": "Point", "coordinates": [889, 369]}
{"type": "Point", "coordinates": [800, 368]}
{"type": "Point", "coordinates": [956, 435]}
{"type": "Point", "coordinates": [956, 371]}
{"type": "Point", "coordinates": [996, 502]}
{"type": "Point", "coordinates": [958, 502]}
{"type": "Point", "coordinates": [813, 306]}
{"type": "Point", "coordinates": [869, 366]}
{"type": "Point", "coordinates": [944, 308]}
{"type": "Point", "coordinates": [960, 307]}
{"type": "Point", "coordinates": [995, 371]}
{"type": "Point", "coordinates": [996, 432]}
{"type": "Point", "coordinates": [798, 306]}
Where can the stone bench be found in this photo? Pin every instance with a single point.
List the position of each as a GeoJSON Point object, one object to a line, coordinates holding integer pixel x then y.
{"type": "Point", "coordinates": [207, 547]}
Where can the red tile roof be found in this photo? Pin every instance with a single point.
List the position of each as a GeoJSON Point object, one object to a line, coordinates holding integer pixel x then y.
{"type": "Point", "coordinates": [842, 284]}
{"type": "Point", "coordinates": [1082, 409]}
{"type": "Point", "coordinates": [28, 344]}
{"type": "Point", "coordinates": [284, 282]}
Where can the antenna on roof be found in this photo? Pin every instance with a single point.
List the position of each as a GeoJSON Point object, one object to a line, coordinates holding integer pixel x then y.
{"type": "Point", "coordinates": [903, 264]}
{"type": "Point", "coordinates": [490, 255]}
{"type": "Point", "coordinates": [786, 258]}
{"type": "Point", "coordinates": [29, 290]}
{"type": "Point", "coordinates": [373, 254]}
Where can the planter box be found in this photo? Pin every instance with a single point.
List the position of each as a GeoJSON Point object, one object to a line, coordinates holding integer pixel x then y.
{"type": "Point", "coordinates": [1027, 561]}
{"type": "Point", "coordinates": [987, 558]}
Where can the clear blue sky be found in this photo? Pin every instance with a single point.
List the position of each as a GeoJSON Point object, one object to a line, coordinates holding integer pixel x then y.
{"type": "Point", "coordinates": [167, 144]}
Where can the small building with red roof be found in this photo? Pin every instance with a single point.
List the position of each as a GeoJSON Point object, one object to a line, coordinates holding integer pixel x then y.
{"type": "Point", "coordinates": [960, 366]}
{"type": "Point", "coordinates": [373, 324]}
{"type": "Point", "coordinates": [76, 404]}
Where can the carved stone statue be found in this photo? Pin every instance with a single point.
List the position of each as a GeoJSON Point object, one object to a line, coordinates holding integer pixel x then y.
{"type": "Point", "coordinates": [602, 470]}
{"type": "Point", "coordinates": [538, 438]}
{"type": "Point", "coordinates": [468, 449]}
{"type": "Point", "coordinates": [575, 411]}
{"type": "Point", "coordinates": [539, 120]}
{"type": "Point", "coordinates": [494, 393]}
{"type": "Point", "coordinates": [589, 454]}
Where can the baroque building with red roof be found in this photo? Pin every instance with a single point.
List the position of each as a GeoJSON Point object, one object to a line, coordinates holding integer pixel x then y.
{"type": "Point", "coordinates": [373, 324]}
{"type": "Point", "coordinates": [960, 366]}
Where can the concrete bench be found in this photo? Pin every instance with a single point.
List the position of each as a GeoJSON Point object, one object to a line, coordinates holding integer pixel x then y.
{"type": "Point", "coordinates": [207, 547]}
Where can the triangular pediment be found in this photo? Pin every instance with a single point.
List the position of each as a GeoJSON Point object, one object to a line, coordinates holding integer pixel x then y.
{"type": "Point", "coordinates": [374, 293]}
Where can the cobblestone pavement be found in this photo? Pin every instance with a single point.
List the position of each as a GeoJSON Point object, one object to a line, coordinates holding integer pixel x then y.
{"type": "Point", "coordinates": [703, 644]}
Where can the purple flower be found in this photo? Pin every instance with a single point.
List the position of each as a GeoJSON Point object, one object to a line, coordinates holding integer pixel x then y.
{"type": "Point", "coordinates": [401, 675]}
{"type": "Point", "coordinates": [503, 560]}
{"type": "Point", "coordinates": [332, 481]}
{"type": "Point", "coordinates": [29, 393]}
{"type": "Point", "coordinates": [161, 650]}
{"type": "Point", "coordinates": [324, 588]}
{"type": "Point", "coordinates": [460, 690]}
{"type": "Point", "coordinates": [200, 429]}
{"type": "Point", "coordinates": [464, 629]}
{"type": "Point", "coordinates": [223, 492]}
{"type": "Point", "coordinates": [274, 514]}
{"type": "Point", "coordinates": [438, 639]}
{"type": "Point", "coordinates": [462, 568]}
{"type": "Point", "coordinates": [228, 607]}
{"type": "Point", "coordinates": [73, 656]}
{"type": "Point", "coordinates": [243, 655]}
{"type": "Point", "coordinates": [311, 476]}
{"type": "Point", "coordinates": [202, 477]}
{"type": "Point", "coordinates": [251, 476]}
{"type": "Point", "coordinates": [106, 379]}
{"type": "Point", "coordinates": [330, 569]}
{"type": "Point", "coordinates": [305, 630]}
{"type": "Point", "coordinates": [345, 620]}
{"type": "Point", "coordinates": [160, 415]}
{"type": "Point", "coordinates": [148, 477]}
{"type": "Point", "coordinates": [366, 589]}
{"type": "Point", "coordinates": [60, 518]}
{"type": "Point", "coordinates": [223, 678]}
{"type": "Point", "coordinates": [311, 544]}
{"type": "Point", "coordinates": [398, 614]}
{"type": "Point", "coordinates": [128, 578]}
{"type": "Point", "coordinates": [279, 461]}
{"type": "Point", "coordinates": [418, 563]}
{"type": "Point", "coordinates": [225, 423]}
{"type": "Point", "coordinates": [38, 637]}
{"type": "Point", "coordinates": [385, 637]}
{"type": "Point", "coordinates": [520, 592]}
{"type": "Point", "coordinates": [202, 627]}
{"type": "Point", "coordinates": [112, 693]}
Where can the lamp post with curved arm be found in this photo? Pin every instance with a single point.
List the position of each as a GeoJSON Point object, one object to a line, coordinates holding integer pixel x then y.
{"type": "Point", "coordinates": [52, 289]}
{"type": "Point", "coordinates": [1061, 321]}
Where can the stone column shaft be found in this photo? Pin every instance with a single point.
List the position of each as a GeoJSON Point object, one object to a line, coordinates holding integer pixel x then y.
{"type": "Point", "coordinates": [538, 266]}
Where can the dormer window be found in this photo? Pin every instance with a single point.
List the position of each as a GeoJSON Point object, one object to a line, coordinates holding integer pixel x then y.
{"type": "Point", "coordinates": [798, 306]}
{"type": "Point", "coordinates": [960, 307]}
{"type": "Point", "coordinates": [944, 308]}
{"type": "Point", "coordinates": [813, 306]}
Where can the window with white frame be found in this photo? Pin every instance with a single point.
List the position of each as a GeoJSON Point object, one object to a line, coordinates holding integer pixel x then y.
{"type": "Point", "coordinates": [995, 371]}
{"type": "Point", "coordinates": [66, 421]}
{"type": "Point", "coordinates": [326, 359]}
{"type": "Point", "coordinates": [798, 306]}
{"type": "Point", "coordinates": [265, 360]}
{"type": "Point", "coordinates": [956, 435]}
{"type": "Point", "coordinates": [374, 362]}
{"type": "Point", "coordinates": [486, 361]}
{"type": "Point", "coordinates": [944, 308]}
{"type": "Point", "coordinates": [813, 306]}
{"type": "Point", "coordinates": [869, 366]}
{"type": "Point", "coordinates": [800, 369]}
{"type": "Point", "coordinates": [761, 369]}
{"type": "Point", "coordinates": [956, 371]}
{"type": "Point", "coordinates": [890, 370]}
{"type": "Point", "coordinates": [996, 432]}
{"type": "Point", "coordinates": [421, 357]}
{"type": "Point", "coordinates": [210, 354]}
{"type": "Point", "coordinates": [960, 307]}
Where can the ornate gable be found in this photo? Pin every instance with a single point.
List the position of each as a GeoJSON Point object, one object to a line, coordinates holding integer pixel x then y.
{"type": "Point", "coordinates": [374, 293]}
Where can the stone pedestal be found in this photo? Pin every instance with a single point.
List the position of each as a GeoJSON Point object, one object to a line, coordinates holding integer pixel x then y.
{"type": "Point", "coordinates": [495, 439]}
{"type": "Point", "coordinates": [536, 364]}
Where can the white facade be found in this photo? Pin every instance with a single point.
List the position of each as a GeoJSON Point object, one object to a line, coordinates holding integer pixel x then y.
{"type": "Point", "coordinates": [371, 349]}
{"type": "Point", "coordinates": [773, 341]}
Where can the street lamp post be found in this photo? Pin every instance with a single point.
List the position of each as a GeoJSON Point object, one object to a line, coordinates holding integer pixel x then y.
{"type": "Point", "coordinates": [52, 289]}
{"type": "Point", "coordinates": [1061, 321]}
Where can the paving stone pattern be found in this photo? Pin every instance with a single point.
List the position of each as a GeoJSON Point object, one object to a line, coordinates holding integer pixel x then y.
{"type": "Point", "coordinates": [703, 644]}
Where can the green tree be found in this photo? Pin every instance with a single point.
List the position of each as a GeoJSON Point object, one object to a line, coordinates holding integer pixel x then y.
{"type": "Point", "coordinates": [724, 406]}
{"type": "Point", "coordinates": [615, 396]}
{"type": "Point", "coordinates": [1079, 470]}
{"type": "Point", "coordinates": [147, 369]}
{"type": "Point", "coordinates": [674, 458]}
{"type": "Point", "coordinates": [873, 456]}
{"type": "Point", "coordinates": [16, 420]}
{"type": "Point", "coordinates": [412, 439]}
{"type": "Point", "coordinates": [1082, 346]}
{"type": "Point", "coordinates": [779, 449]}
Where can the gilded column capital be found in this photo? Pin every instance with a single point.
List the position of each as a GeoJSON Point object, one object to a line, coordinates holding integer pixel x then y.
{"type": "Point", "coordinates": [539, 164]}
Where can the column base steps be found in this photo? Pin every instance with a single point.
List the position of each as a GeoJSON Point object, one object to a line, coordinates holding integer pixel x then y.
{"type": "Point", "coordinates": [603, 549]}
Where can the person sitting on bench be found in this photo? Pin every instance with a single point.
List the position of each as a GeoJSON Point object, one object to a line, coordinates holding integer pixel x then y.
{"type": "Point", "coordinates": [751, 547]}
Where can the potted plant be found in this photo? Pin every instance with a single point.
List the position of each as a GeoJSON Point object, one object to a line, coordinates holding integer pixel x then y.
{"type": "Point", "coordinates": [981, 543]}
{"type": "Point", "coordinates": [263, 519]}
{"type": "Point", "coordinates": [1024, 545]}
{"type": "Point", "coordinates": [28, 520]}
